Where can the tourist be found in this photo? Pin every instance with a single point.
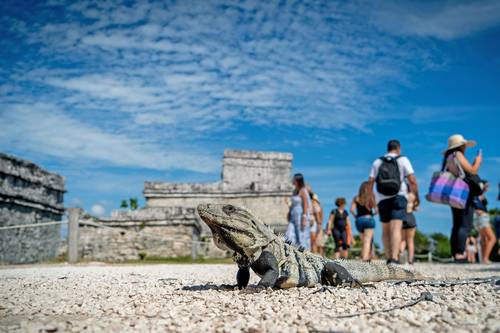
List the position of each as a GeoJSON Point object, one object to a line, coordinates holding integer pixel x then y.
{"type": "Point", "coordinates": [337, 225]}
{"type": "Point", "coordinates": [409, 229]}
{"type": "Point", "coordinates": [317, 239]}
{"type": "Point", "coordinates": [456, 163]}
{"type": "Point", "coordinates": [299, 213]}
{"type": "Point", "coordinates": [482, 225]}
{"type": "Point", "coordinates": [471, 249]}
{"type": "Point", "coordinates": [391, 173]}
{"type": "Point", "coordinates": [364, 207]}
{"type": "Point", "coordinates": [350, 237]}
{"type": "Point", "coordinates": [496, 223]}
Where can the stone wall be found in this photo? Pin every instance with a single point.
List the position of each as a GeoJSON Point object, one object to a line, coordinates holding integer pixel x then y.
{"type": "Point", "coordinates": [28, 195]}
{"type": "Point", "coordinates": [131, 243]}
{"type": "Point", "coordinates": [130, 235]}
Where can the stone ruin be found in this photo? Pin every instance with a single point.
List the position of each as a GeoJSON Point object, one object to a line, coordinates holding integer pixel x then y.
{"type": "Point", "coordinates": [169, 227]}
{"type": "Point", "coordinates": [29, 195]}
{"type": "Point", "coordinates": [260, 181]}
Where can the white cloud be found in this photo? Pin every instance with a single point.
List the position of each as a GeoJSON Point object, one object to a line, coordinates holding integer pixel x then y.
{"type": "Point", "coordinates": [204, 68]}
{"type": "Point", "coordinates": [142, 84]}
{"type": "Point", "coordinates": [442, 20]}
{"type": "Point", "coordinates": [45, 129]}
{"type": "Point", "coordinates": [98, 210]}
{"type": "Point", "coordinates": [109, 87]}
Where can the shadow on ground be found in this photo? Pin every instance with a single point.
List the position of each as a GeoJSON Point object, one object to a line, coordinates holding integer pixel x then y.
{"type": "Point", "coordinates": [210, 286]}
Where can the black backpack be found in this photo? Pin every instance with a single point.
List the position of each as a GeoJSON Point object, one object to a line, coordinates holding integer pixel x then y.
{"type": "Point", "coordinates": [389, 176]}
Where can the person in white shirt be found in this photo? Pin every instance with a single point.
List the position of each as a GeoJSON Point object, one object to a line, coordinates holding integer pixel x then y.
{"type": "Point", "coordinates": [389, 173]}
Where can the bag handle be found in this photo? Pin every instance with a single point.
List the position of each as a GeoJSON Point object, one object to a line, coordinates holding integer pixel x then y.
{"type": "Point", "coordinates": [461, 172]}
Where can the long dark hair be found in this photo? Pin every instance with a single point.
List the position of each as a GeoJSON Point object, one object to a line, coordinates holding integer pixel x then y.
{"type": "Point", "coordinates": [450, 152]}
{"type": "Point", "coordinates": [299, 179]}
{"type": "Point", "coordinates": [365, 196]}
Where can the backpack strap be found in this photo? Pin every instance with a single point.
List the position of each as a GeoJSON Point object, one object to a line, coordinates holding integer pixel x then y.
{"type": "Point", "coordinates": [382, 158]}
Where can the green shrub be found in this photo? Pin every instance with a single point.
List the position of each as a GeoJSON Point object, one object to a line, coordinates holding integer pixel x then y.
{"type": "Point", "coordinates": [442, 245]}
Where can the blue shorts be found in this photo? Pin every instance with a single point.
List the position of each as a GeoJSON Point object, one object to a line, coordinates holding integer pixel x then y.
{"type": "Point", "coordinates": [392, 209]}
{"type": "Point", "coordinates": [365, 222]}
{"type": "Point", "coordinates": [410, 222]}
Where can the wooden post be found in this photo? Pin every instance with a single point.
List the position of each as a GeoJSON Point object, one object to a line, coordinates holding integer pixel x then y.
{"type": "Point", "coordinates": [479, 253]}
{"type": "Point", "coordinates": [194, 246]}
{"type": "Point", "coordinates": [73, 220]}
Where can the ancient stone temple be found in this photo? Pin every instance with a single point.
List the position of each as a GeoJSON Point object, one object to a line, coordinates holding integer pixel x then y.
{"type": "Point", "coordinates": [260, 181]}
{"type": "Point", "coordinates": [28, 195]}
{"type": "Point", "coordinates": [169, 226]}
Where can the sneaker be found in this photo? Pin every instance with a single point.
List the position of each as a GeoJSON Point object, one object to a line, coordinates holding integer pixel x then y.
{"type": "Point", "coordinates": [393, 262]}
{"type": "Point", "coordinates": [462, 259]}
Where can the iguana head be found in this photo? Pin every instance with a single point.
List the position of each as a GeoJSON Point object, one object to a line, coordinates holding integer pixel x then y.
{"type": "Point", "coordinates": [236, 229]}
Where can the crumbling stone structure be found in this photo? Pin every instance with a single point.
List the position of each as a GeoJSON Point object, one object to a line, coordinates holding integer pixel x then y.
{"type": "Point", "coordinates": [131, 235]}
{"type": "Point", "coordinates": [261, 181]}
{"type": "Point", "coordinates": [28, 195]}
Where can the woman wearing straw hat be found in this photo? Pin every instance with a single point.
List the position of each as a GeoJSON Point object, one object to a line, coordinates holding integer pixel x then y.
{"type": "Point", "coordinates": [456, 163]}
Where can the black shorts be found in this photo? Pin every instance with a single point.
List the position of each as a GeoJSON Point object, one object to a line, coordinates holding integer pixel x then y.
{"type": "Point", "coordinates": [392, 209]}
{"type": "Point", "coordinates": [410, 221]}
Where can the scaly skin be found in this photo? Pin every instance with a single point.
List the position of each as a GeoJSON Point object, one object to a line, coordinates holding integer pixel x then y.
{"type": "Point", "coordinates": [280, 264]}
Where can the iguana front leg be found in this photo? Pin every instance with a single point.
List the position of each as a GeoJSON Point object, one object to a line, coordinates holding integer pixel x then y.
{"type": "Point", "coordinates": [242, 277]}
{"type": "Point", "coordinates": [267, 267]}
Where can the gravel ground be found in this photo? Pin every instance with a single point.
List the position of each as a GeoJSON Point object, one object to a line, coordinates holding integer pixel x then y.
{"type": "Point", "coordinates": [189, 298]}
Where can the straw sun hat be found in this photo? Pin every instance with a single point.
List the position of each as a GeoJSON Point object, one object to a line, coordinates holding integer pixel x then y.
{"type": "Point", "coordinates": [458, 140]}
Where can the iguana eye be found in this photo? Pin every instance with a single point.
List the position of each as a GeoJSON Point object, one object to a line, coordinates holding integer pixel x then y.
{"type": "Point", "coordinates": [229, 209]}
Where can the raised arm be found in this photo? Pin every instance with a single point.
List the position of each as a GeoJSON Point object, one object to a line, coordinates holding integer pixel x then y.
{"type": "Point", "coordinates": [464, 163]}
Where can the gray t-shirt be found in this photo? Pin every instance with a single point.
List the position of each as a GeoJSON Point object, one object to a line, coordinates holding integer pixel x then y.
{"type": "Point", "coordinates": [405, 169]}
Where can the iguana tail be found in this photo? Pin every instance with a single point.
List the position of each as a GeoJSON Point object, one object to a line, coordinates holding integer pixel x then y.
{"type": "Point", "coordinates": [378, 271]}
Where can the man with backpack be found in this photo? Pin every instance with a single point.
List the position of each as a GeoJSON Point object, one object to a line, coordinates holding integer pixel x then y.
{"type": "Point", "coordinates": [389, 173]}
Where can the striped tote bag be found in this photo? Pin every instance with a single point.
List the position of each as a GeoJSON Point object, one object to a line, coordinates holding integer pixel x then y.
{"type": "Point", "coordinates": [447, 189]}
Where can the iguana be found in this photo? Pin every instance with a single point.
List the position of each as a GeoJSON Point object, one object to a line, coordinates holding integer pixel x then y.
{"type": "Point", "coordinates": [280, 264]}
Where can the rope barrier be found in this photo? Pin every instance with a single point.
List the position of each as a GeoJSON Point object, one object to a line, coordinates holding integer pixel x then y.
{"type": "Point", "coordinates": [495, 280]}
{"type": "Point", "coordinates": [439, 259]}
{"type": "Point", "coordinates": [98, 225]}
{"type": "Point", "coordinates": [33, 225]}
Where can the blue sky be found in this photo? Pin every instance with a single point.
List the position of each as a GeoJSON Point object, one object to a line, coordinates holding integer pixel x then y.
{"type": "Point", "coordinates": [113, 93]}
